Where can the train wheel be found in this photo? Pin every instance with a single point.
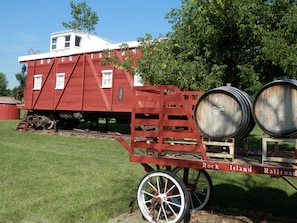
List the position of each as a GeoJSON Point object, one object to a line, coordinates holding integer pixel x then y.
{"type": "Point", "coordinates": [49, 123]}
{"type": "Point", "coordinates": [163, 197]}
{"type": "Point", "coordinates": [199, 185]}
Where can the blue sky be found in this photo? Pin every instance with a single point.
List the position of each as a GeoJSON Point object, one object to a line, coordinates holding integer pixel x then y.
{"type": "Point", "coordinates": [28, 24]}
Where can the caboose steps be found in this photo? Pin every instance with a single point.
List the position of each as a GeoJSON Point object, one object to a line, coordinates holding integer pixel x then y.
{"type": "Point", "coordinates": [22, 126]}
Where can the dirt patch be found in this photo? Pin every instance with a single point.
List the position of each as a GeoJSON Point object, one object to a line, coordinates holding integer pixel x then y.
{"type": "Point", "coordinates": [236, 215]}
{"type": "Point", "coordinates": [216, 215]}
{"type": "Point", "coordinates": [81, 133]}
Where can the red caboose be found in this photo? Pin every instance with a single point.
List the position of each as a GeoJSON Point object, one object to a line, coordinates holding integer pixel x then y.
{"type": "Point", "coordinates": [69, 84]}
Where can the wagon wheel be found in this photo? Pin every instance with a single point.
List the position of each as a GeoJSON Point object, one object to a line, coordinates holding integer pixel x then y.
{"type": "Point", "coordinates": [162, 197]}
{"type": "Point", "coordinates": [199, 185]}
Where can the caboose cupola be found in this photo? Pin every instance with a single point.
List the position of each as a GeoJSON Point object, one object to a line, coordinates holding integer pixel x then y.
{"type": "Point", "coordinates": [76, 40]}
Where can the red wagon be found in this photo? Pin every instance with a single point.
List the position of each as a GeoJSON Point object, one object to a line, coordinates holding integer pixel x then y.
{"type": "Point", "coordinates": [165, 140]}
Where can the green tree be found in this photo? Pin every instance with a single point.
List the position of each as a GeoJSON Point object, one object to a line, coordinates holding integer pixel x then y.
{"type": "Point", "coordinates": [207, 47]}
{"type": "Point", "coordinates": [18, 92]}
{"type": "Point", "coordinates": [84, 18]}
{"type": "Point", "coordinates": [279, 42]}
{"type": "Point", "coordinates": [214, 42]}
{"type": "Point", "coordinates": [3, 85]}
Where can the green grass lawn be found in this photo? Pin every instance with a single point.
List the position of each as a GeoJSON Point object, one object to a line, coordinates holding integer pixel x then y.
{"type": "Point", "coordinates": [63, 179]}
{"type": "Point", "coordinates": [56, 179]}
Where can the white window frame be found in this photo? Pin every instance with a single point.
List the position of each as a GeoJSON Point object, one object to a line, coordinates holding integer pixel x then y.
{"type": "Point", "coordinates": [54, 43]}
{"type": "Point", "coordinates": [67, 42]}
{"type": "Point", "coordinates": [137, 80]}
{"type": "Point", "coordinates": [106, 78]}
{"type": "Point", "coordinates": [60, 80]}
{"type": "Point", "coordinates": [37, 82]}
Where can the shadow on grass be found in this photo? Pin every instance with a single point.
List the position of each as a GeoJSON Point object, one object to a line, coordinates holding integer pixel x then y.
{"type": "Point", "coordinates": [264, 201]}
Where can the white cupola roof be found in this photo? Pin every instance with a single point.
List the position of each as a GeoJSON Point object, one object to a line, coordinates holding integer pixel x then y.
{"type": "Point", "coordinates": [70, 42]}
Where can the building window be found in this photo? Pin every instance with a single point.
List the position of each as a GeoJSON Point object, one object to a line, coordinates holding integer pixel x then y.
{"type": "Point", "coordinates": [67, 41]}
{"type": "Point", "coordinates": [37, 82]}
{"type": "Point", "coordinates": [106, 79]}
{"type": "Point", "coordinates": [137, 80]}
{"type": "Point", "coordinates": [54, 43]}
{"type": "Point", "coordinates": [77, 41]}
{"type": "Point", "coordinates": [60, 79]}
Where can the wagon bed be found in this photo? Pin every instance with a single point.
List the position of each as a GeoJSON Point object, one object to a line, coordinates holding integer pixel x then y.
{"type": "Point", "coordinates": [166, 141]}
{"type": "Point", "coordinates": [163, 132]}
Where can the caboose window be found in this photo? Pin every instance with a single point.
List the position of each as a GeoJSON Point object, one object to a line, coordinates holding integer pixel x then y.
{"type": "Point", "coordinates": [54, 43]}
{"type": "Point", "coordinates": [77, 40]}
{"type": "Point", "coordinates": [37, 82]}
{"type": "Point", "coordinates": [60, 77]}
{"type": "Point", "coordinates": [67, 41]}
{"type": "Point", "coordinates": [106, 79]}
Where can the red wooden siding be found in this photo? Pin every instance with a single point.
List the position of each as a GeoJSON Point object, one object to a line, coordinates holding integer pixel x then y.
{"type": "Point", "coordinates": [82, 85]}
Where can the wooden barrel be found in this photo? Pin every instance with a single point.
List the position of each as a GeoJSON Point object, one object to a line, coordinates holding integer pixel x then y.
{"type": "Point", "coordinates": [224, 112]}
{"type": "Point", "coordinates": [275, 108]}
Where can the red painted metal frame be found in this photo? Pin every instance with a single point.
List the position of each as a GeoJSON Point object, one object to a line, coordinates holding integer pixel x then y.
{"type": "Point", "coordinates": [163, 133]}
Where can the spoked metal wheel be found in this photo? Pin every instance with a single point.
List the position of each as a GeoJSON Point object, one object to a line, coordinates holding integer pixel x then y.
{"type": "Point", "coordinates": [162, 197]}
{"type": "Point", "coordinates": [199, 186]}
